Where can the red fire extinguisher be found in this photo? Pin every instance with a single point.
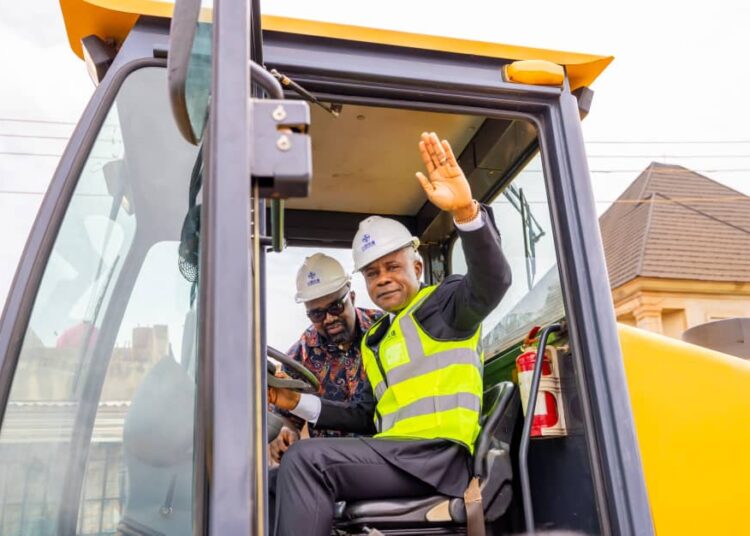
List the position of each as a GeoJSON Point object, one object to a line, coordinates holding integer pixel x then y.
{"type": "Point", "coordinates": [548, 415]}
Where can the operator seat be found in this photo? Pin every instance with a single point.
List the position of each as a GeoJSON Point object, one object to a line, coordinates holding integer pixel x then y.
{"type": "Point", "coordinates": [158, 446]}
{"type": "Point", "coordinates": [491, 463]}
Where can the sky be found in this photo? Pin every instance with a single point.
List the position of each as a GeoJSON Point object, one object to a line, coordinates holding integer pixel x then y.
{"type": "Point", "coordinates": [676, 93]}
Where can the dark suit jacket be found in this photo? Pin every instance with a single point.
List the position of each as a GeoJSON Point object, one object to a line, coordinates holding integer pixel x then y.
{"type": "Point", "coordinates": [454, 310]}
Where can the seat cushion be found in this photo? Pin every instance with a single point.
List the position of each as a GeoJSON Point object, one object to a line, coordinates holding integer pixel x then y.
{"type": "Point", "coordinates": [391, 507]}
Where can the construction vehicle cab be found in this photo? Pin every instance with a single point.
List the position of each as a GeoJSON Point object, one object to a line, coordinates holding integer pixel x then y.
{"type": "Point", "coordinates": [133, 345]}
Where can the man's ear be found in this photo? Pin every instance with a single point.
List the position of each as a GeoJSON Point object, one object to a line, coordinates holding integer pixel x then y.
{"type": "Point", "coordinates": [352, 295]}
{"type": "Point", "coordinates": [418, 267]}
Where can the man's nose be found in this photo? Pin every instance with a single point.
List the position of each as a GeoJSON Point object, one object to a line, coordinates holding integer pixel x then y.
{"type": "Point", "coordinates": [383, 279]}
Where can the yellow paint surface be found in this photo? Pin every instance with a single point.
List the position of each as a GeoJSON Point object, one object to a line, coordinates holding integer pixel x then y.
{"type": "Point", "coordinates": [113, 19]}
{"type": "Point", "coordinates": [692, 414]}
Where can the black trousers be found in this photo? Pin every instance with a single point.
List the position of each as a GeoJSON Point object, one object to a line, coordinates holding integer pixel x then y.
{"type": "Point", "coordinates": [316, 473]}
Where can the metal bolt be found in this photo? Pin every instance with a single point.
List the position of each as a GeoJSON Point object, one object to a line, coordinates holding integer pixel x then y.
{"type": "Point", "coordinates": [284, 143]}
{"type": "Point", "coordinates": [279, 114]}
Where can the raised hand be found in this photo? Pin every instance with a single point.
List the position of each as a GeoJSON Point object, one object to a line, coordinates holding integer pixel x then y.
{"type": "Point", "coordinates": [446, 187]}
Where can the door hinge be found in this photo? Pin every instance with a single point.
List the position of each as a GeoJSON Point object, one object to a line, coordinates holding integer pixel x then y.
{"type": "Point", "coordinates": [282, 152]}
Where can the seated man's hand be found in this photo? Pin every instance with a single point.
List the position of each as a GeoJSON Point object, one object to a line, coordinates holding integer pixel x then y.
{"type": "Point", "coordinates": [281, 444]}
{"type": "Point", "coordinates": [283, 398]}
{"type": "Point", "coordinates": [445, 185]}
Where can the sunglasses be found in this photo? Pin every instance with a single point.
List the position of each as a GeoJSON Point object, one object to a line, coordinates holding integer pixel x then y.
{"type": "Point", "coordinates": [333, 309]}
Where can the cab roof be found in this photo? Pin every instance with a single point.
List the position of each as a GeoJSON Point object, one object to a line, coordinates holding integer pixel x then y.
{"type": "Point", "coordinates": [113, 19]}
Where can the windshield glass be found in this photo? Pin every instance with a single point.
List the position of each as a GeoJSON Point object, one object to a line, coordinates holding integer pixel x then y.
{"type": "Point", "coordinates": [522, 214]}
{"type": "Point", "coordinates": [98, 431]}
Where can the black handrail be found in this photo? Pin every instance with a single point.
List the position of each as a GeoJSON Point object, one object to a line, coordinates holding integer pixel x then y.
{"type": "Point", "coordinates": [523, 465]}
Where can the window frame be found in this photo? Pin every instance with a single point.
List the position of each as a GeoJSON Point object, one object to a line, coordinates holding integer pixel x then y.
{"type": "Point", "coordinates": [620, 492]}
{"type": "Point", "coordinates": [231, 396]}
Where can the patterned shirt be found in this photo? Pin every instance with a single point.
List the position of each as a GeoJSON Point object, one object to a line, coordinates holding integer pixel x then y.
{"type": "Point", "coordinates": [340, 372]}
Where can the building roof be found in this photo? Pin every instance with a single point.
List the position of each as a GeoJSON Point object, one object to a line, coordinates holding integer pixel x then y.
{"type": "Point", "coordinates": [677, 224]}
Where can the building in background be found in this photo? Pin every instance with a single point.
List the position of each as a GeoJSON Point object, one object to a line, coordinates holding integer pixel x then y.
{"type": "Point", "coordinates": [677, 246]}
{"type": "Point", "coordinates": [38, 425]}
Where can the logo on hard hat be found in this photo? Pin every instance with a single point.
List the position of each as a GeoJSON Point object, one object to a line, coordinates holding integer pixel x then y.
{"type": "Point", "coordinates": [312, 279]}
{"type": "Point", "coordinates": [367, 242]}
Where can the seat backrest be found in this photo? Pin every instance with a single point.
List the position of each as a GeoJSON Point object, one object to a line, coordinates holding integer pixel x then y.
{"type": "Point", "coordinates": [499, 409]}
{"type": "Point", "coordinates": [158, 453]}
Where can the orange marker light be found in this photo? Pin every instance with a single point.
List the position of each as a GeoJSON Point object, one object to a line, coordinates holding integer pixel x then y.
{"type": "Point", "coordinates": [535, 73]}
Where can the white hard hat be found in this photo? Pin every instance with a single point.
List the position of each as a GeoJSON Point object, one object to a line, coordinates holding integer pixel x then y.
{"type": "Point", "coordinates": [378, 236]}
{"type": "Point", "coordinates": [318, 276]}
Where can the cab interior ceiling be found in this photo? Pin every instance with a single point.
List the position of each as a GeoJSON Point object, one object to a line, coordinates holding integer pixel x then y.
{"type": "Point", "coordinates": [365, 160]}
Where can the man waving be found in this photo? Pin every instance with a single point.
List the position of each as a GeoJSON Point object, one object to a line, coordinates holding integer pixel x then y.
{"type": "Point", "coordinates": [423, 363]}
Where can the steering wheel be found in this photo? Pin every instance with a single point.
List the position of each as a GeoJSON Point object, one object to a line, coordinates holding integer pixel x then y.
{"type": "Point", "coordinates": [308, 384]}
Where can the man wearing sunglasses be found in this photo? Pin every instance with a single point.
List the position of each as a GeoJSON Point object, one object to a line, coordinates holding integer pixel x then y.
{"type": "Point", "coordinates": [330, 346]}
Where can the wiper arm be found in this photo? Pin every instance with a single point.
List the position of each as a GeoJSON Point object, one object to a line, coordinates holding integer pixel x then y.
{"type": "Point", "coordinates": [532, 231]}
{"type": "Point", "coordinates": [529, 241]}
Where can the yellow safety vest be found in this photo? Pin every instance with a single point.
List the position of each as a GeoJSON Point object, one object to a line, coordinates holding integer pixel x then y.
{"type": "Point", "coordinates": [426, 388]}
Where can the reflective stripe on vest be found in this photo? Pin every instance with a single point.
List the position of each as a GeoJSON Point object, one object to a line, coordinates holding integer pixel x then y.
{"type": "Point", "coordinates": [425, 406]}
{"type": "Point", "coordinates": [425, 388]}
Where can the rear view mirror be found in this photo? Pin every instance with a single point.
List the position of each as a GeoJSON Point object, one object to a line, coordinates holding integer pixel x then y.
{"type": "Point", "coordinates": [189, 67]}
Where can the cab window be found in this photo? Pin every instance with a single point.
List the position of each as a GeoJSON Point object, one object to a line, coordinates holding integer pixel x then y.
{"type": "Point", "coordinates": [99, 423]}
{"type": "Point", "coordinates": [522, 215]}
